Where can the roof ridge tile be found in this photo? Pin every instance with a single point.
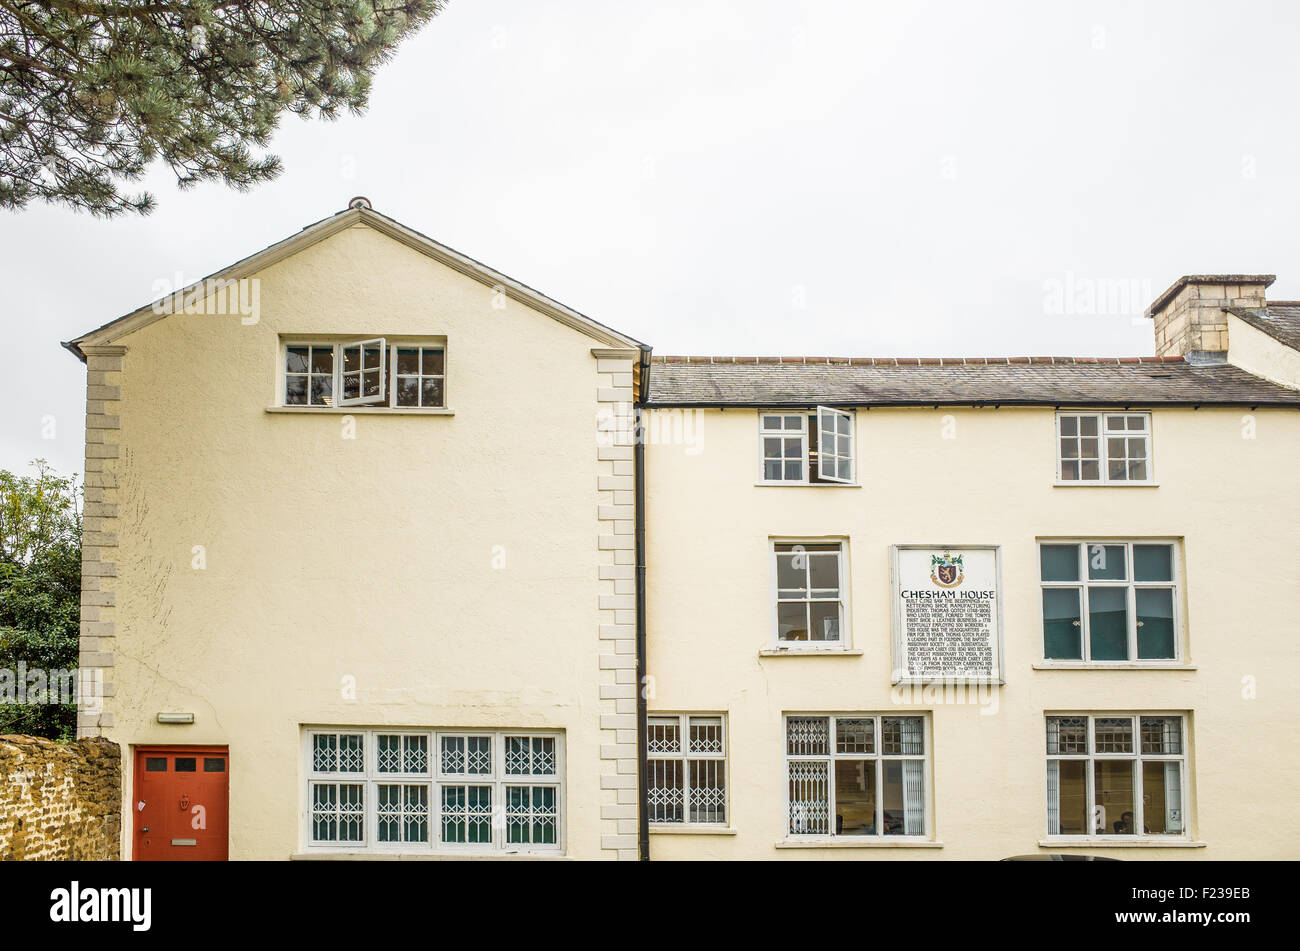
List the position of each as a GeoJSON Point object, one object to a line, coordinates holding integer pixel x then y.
{"type": "Point", "coordinates": [905, 361]}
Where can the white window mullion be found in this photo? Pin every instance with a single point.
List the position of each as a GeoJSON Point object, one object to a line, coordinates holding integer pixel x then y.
{"type": "Point", "coordinates": [1053, 797]}
{"type": "Point", "coordinates": [832, 800]}
{"type": "Point", "coordinates": [338, 374]}
{"type": "Point", "coordinates": [841, 563]}
{"type": "Point", "coordinates": [1139, 807]}
{"type": "Point", "coordinates": [1090, 773]}
{"type": "Point", "coordinates": [878, 766]}
{"type": "Point", "coordinates": [500, 803]}
{"type": "Point", "coordinates": [1085, 610]}
{"type": "Point", "coordinates": [1103, 448]}
{"type": "Point", "coordinates": [1130, 601]}
{"type": "Point", "coordinates": [808, 596]}
{"type": "Point", "coordinates": [1132, 584]}
{"type": "Point", "coordinates": [685, 728]}
{"type": "Point", "coordinates": [686, 788]}
{"type": "Point", "coordinates": [1174, 797]}
{"type": "Point", "coordinates": [391, 376]}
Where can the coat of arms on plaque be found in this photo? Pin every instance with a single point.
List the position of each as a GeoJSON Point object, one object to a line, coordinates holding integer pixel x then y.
{"type": "Point", "coordinates": [946, 571]}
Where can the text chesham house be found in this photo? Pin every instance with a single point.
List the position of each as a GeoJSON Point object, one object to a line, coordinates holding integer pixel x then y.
{"type": "Point", "coordinates": [396, 555]}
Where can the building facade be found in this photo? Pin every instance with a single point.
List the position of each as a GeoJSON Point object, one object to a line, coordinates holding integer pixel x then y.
{"type": "Point", "coordinates": [332, 528]}
{"type": "Point", "coordinates": [973, 609]}
{"type": "Point", "coordinates": [366, 519]}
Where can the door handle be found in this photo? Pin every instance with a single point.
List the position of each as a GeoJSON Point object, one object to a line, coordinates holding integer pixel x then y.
{"type": "Point", "coordinates": [145, 829]}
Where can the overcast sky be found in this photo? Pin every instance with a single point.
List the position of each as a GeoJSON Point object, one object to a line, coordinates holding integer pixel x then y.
{"type": "Point", "coordinates": [752, 177]}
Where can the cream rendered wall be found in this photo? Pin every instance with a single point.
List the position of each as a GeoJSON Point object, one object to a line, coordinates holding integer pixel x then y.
{"type": "Point", "coordinates": [1230, 498]}
{"type": "Point", "coordinates": [369, 558]}
{"type": "Point", "coordinates": [1253, 350]}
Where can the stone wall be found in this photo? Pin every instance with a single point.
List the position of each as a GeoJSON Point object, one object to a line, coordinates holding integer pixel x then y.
{"type": "Point", "coordinates": [616, 539]}
{"type": "Point", "coordinates": [1192, 318]}
{"type": "Point", "coordinates": [59, 800]}
{"type": "Point", "coordinates": [99, 528]}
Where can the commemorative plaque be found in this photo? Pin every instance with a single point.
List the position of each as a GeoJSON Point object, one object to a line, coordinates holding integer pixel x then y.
{"type": "Point", "coordinates": [947, 614]}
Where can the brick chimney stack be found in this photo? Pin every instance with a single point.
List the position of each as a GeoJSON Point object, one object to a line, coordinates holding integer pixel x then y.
{"type": "Point", "coordinates": [1189, 317]}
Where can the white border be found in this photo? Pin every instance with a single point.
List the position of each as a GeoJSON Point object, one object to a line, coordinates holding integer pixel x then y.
{"type": "Point", "coordinates": [896, 675]}
{"type": "Point", "coordinates": [845, 643]}
{"type": "Point", "coordinates": [433, 778]}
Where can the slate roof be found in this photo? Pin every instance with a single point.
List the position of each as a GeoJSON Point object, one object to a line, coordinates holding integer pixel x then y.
{"type": "Point", "coordinates": [1281, 321]}
{"type": "Point", "coordinates": [1006, 381]}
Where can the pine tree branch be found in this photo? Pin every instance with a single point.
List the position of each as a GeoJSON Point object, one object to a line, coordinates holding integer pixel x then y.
{"type": "Point", "coordinates": [93, 92]}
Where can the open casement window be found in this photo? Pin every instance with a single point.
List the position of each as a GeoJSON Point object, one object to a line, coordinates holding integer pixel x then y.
{"type": "Point", "coordinates": [365, 373]}
{"type": "Point", "coordinates": [834, 445]}
{"type": "Point", "coordinates": [363, 370]}
{"type": "Point", "coordinates": [807, 449]}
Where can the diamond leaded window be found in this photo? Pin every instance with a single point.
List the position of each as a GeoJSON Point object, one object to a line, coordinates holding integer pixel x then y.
{"type": "Point", "coordinates": [687, 760]}
{"type": "Point", "coordinates": [443, 790]}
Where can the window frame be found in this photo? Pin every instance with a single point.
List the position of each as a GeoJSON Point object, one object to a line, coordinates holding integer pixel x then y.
{"type": "Point", "coordinates": [341, 374]}
{"type": "Point", "coordinates": [389, 347]}
{"type": "Point", "coordinates": [806, 435]}
{"type": "Point", "coordinates": [878, 758]}
{"type": "Point", "coordinates": [1131, 586]}
{"type": "Point", "coordinates": [393, 375]}
{"type": "Point", "coordinates": [843, 416]}
{"type": "Point", "coordinates": [1103, 457]}
{"type": "Point", "coordinates": [683, 757]}
{"type": "Point", "coordinates": [283, 375]}
{"type": "Point", "coordinates": [802, 435]}
{"type": "Point", "coordinates": [845, 642]}
{"type": "Point", "coordinates": [433, 779]}
{"type": "Point", "coordinates": [1138, 759]}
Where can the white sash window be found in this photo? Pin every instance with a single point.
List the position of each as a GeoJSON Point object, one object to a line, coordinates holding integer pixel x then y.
{"type": "Point", "coordinates": [811, 600]}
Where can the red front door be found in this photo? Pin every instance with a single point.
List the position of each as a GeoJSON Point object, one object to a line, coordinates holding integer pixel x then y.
{"type": "Point", "coordinates": [181, 803]}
